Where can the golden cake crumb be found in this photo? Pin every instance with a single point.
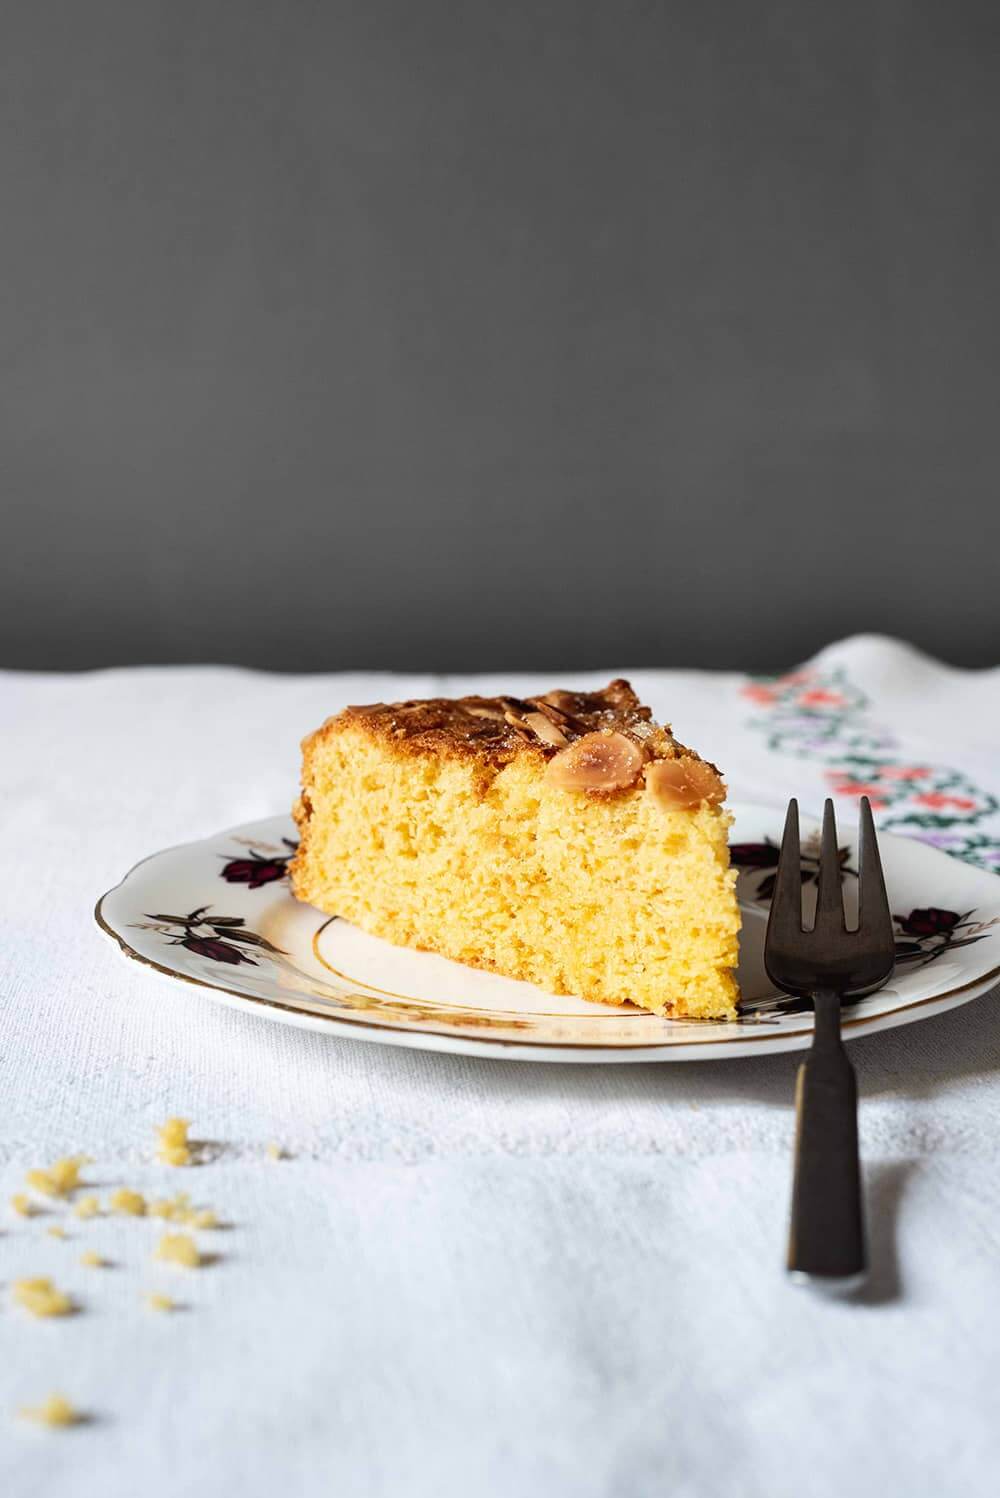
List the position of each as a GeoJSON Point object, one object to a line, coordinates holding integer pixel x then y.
{"type": "Point", "coordinates": [132, 1203]}
{"type": "Point", "coordinates": [174, 1154]}
{"type": "Point", "coordinates": [56, 1232]}
{"type": "Point", "coordinates": [56, 1410]}
{"type": "Point", "coordinates": [22, 1204]}
{"type": "Point", "coordinates": [58, 1179]}
{"type": "Point", "coordinates": [92, 1259]}
{"type": "Point", "coordinates": [41, 1298]}
{"type": "Point", "coordinates": [158, 1302]}
{"type": "Point", "coordinates": [179, 1248]}
{"type": "Point", "coordinates": [179, 1209]}
{"type": "Point", "coordinates": [275, 1152]}
{"type": "Point", "coordinates": [88, 1206]}
{"type": "Point", "coordinates": [172, 1146]}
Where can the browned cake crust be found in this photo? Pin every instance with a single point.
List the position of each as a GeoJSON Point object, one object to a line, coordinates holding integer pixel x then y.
{"type": "Point", "coordinates": [495, 730]}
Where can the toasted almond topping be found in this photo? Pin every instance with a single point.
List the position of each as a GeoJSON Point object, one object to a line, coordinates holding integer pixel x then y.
{"type": "Point", "coordinates": [597, 762]}
{"type": "Point", "coordinates": [561, 700]}
{"type": "Point", "coordinates": [684, 783]}
{"type": "Point", "coordinates": [552, 711]}
{"type": "Point", "coordinates": [516, 721]}
{"type": "Point", "coordinates": [546, 730]}
{"type": "Point", "coordinates": [557, 707]}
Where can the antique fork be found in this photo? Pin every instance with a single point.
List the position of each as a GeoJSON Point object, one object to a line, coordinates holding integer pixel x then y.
{"type": "Point", "coordinates": [827, 964]}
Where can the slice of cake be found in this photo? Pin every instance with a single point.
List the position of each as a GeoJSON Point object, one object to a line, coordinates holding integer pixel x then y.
{"type": "Point", "coordinates": [566, 840]}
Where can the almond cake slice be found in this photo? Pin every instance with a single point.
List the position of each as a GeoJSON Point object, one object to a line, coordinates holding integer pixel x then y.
{"type": "Point", "coordinates": [566, 839]}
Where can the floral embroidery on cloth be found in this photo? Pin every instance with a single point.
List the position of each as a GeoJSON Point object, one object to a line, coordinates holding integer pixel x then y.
{"type": "Point", "coordinates": [822, 715]}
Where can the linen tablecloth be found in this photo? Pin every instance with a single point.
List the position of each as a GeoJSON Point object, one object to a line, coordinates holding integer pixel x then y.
{"type": "Point", "coordinates": [473, 1277]}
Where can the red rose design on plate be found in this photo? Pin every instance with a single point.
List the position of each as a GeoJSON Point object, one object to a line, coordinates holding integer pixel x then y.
{"type": "Point", "coordinates": [218, 950]}
{"type": "Point", "coordinates": [256, 869]}
{"type": "Point", "coordinates": [754, 855]}
{"type": "Point", "coordinates": [930, 931]}
{"type": "Point", "coordinates": [754, 859]}
{"type": "Point", "coordinates": [220, 938]}
{"type": "Point", "coordinates": [928, 921]}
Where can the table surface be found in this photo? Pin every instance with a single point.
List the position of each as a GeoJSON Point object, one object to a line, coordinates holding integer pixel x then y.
{"type": "Point", "coordinates": [470, 1277]}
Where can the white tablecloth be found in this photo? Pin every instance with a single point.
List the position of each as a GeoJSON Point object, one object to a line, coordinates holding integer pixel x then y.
{"type": "Point", "coordinates": [478, 1278]}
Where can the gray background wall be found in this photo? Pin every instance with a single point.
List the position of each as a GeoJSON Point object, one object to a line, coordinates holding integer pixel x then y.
{"type": "Point", "coordinates": [372, 332]}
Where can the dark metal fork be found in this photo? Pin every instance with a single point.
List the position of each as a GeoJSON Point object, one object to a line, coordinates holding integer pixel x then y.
{"type": "Point", "coordinates": [827, 964]}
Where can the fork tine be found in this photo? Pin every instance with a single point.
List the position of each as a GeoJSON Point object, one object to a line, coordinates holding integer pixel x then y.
{"type": "Point", "coordinates": [829, 899]}
{"type": "Point", "coordinates": [873, 902]}
{"type": "Point", "coordinates": [786, 902]}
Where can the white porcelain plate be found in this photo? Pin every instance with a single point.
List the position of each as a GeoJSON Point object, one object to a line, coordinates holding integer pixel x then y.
{"type": "Point", "coordinates": [218, 914]}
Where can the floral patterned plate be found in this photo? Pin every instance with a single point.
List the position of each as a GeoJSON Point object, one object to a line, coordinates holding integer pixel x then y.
{"type": "Point", "coordinates": [218, 914]}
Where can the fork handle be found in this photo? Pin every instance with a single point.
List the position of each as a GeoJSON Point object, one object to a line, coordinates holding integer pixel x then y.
{"type": "Point", "coordinates": [826, 1244]}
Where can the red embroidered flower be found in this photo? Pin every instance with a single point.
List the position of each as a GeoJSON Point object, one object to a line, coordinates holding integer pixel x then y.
{"type": "Point", "coordinates": [876, 801]}
{"type": "Point", "coordinates": [758, 693]}
{"type": "Point", "coordinates": [904, 772]}
{"type": "Point", "coordinates": [843, 785]}
{"type": "Point", "coordinates": [928, 921]}
{"type": "Point", "coordinates": [819, 698]}
{"type": "Point", "coordinates": [937, 802]}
